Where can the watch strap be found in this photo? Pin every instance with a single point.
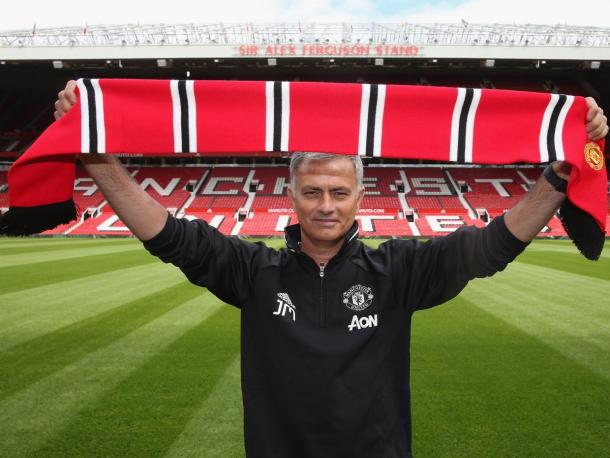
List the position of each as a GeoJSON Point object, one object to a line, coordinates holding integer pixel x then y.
{"type": "Point", "coordinates": [555, 180]}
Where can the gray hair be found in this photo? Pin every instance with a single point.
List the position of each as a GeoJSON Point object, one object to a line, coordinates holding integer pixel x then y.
{"type": "Point", "coordinates": [297, 158]}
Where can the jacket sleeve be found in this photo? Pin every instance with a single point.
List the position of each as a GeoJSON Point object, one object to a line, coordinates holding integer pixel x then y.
{"type": "Point", "coordinates": [208, 258]}
{"type": "Point", "coordinates": [439, 269]}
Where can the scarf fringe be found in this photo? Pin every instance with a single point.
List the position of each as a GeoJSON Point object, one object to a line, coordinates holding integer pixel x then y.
{"type": "Point", "coordinates": [583, 230]}
{"type": "Point", "coordinates": [33, 220]}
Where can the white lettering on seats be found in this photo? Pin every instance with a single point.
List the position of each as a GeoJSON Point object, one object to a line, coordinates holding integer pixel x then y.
{"type": "Point", "coordinates": [210, 187]}
{"type": "Point", "coordinates": [109, 225]}
{"type": "Point", "coordinates": [165, 192]}
{"type": "Point", "coordinates": [282, 222]}
{"type": "Point", "coordinates": [497, 184]}
{"type": "Point", "coordinates": [444, 223]}
{"type": "Point", "coordinates": [367, 221]}
{"type": "Point", "coordinates": [79, 185]}
{"type": "Point", "coordinates": [370, 184]}
{"type": "Point", "coordinates": [430, 186]}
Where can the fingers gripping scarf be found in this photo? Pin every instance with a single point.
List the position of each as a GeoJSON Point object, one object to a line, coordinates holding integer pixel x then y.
{"type": "Point", "coordinates": [162, 117]}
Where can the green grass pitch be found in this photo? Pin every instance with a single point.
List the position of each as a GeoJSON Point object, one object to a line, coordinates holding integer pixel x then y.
{"type": "Point", "coordinates": [105, 351]}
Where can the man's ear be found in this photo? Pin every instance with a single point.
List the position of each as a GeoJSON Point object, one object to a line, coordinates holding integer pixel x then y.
{"type": "Point", "coordinates": [360, 197]}
{"type": "Point", "coordinates": [289, 190]}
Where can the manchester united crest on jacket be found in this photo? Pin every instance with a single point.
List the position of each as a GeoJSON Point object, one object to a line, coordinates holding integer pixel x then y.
{"type": "Point", "coordinates": [358, 297]}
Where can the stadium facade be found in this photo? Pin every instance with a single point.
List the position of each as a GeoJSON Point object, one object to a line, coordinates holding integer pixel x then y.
{"type": "Point", "coordinates": [246, 195]}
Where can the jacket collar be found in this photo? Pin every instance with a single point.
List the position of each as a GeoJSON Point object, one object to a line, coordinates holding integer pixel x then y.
{"type": "Point", "coordinates": [292, 234]}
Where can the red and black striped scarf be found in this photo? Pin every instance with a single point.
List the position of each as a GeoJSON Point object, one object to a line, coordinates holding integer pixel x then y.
{"type": "Point", "coordinates": [166, 117]}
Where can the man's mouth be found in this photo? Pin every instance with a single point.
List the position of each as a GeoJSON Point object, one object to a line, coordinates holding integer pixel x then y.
{"type": "Point", "coordinates": [326, 222]}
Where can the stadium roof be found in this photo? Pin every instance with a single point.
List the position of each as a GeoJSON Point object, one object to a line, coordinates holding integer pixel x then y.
{"type": "Point", "coordinates": [309, 40]}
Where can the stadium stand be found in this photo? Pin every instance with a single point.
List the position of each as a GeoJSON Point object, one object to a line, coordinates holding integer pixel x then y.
{"type": "Point", "coordinates": [107, 223]}
{"type": "Point", "coordinates": [384, 225]}
{"type": "Point", "coordinates": [386, 203]}
{"type": "Point", "coordinates": [86, 193]}
{"type": "Point", "coordinates": [271, 202]}
{"type": "Point", "coordinates": [223, 221]}
{"type": "Point", "coordinates": [529, 174]}
{"type": "Point", "coordinates": [262, 224]}
{"type": "Point", "coordinates": [271, 180]}
{"type": "Point", "coordinates": [381, 180]}
{"type": "Point", "coordinates": [431, 191]}
{"type": "Point", "coordinates": [222, 189]}
{"type": "Point", "coordinates": [169, 185]}
{"type": "Point", "coordinates": [65, 229]}
{"type": "Point", "coordinates": [3, 189]}
{"type": "Point", "coordinates": [23, 116]}
{"type": "Point", "coordinates": [270, 184]}
{"type": "Point", "coordinates": [430, 196]}
{"type": "Point", "coordinates": [493, 189]}
{"type": "Point", "coordinates": [553, 229]}
{"type": "Point", "coordinates": [442, 224]}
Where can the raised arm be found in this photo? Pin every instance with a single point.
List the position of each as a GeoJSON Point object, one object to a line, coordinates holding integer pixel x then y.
{"type": "Point", "coordinates": [537, 207]}
{"type": "Point", "coordinates": [208, 258]}
{"type": "Point", "coordinates": [142, 214]}
{"type": "Point", "coordinates": [534, 211]}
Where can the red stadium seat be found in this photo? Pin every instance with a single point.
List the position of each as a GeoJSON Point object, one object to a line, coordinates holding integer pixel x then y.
{"type": "Point", "coordinates": [430, 192]}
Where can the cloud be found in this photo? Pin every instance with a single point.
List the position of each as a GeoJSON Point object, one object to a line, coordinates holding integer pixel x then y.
{"type": "Point", "coordinates": [591, 13]}
{"type": "Point", "coordinates": [77, 12]}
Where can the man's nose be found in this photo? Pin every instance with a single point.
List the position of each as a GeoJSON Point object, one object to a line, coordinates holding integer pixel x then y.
{"type": "Point", "coordinates": [327, 204]}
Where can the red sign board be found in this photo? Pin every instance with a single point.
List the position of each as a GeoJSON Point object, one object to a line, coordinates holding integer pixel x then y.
{"type": "Point", "coordinates": [329, 50]}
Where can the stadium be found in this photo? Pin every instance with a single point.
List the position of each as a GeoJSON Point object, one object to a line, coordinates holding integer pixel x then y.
{"type": "Point", "coordinates": [515, 366]}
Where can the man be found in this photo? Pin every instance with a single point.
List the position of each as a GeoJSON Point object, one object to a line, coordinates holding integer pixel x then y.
{"type": "Point", "coordinates": [325, 323]}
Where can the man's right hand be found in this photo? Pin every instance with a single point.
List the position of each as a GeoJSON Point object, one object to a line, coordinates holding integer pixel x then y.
{"type": "Point", "coordinates": [66, 99]}
{"type": "Point", "coordinates": [138, 210]}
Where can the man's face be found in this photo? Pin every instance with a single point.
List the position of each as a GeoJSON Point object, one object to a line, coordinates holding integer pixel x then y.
{"type": "Point", "coordinates": [326, 198]}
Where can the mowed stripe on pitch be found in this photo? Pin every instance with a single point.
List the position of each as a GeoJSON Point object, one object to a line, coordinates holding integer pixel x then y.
{"type": "Point", "coordinates": [146, 412]}
{"type": "Point", "coordinates": [568, 312]}
{"type": "Point", "coordinates": [40, 256]}
{"type": "Point", "coordinates": [481, 386]}
{"type": "Point", "coordinates": [33, 415]}
{"type": "Point", "coordinates": [570, 262]}
{"type": "Point", "coordinates": [565, 246]}
{"type": "Point", "coordinates": [217, 425]}
{"type": "Point", "coordinates": [564, 299]}
{"type": "Point", "coordinates": [46, 245]}
{"type": "Point", "coordinates": [41, 356]}
{"type": "Point", "coordinates": [33, 243]}
{"type": "Point", "coordinates": [31, 313]}
{"type": "Point", "coordinates": [22, 277]}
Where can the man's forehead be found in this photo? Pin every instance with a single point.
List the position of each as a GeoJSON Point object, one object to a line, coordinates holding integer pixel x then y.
{"type": "Point", "coordinates": [340, 165]}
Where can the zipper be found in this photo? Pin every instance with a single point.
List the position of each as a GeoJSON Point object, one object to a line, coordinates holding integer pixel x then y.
{"type": "Point", "coordinates": [322, 311]}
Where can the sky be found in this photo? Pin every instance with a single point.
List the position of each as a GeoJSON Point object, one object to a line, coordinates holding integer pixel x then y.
{"type": "Point", "coordinates": [46, 13]}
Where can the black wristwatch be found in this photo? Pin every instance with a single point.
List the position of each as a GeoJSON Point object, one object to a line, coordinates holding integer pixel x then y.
{"type": "Point", "coordinates": [556, 181]}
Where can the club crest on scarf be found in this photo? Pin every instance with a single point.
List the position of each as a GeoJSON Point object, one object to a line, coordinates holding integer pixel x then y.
{"type": "Point", "coordinates": [358, 297]}
{"type": "Point", "coordinates": [594, 156]}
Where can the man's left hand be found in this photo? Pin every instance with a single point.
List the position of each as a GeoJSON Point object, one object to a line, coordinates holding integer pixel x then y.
{"type": "Point", "coordinates": [597, 123]}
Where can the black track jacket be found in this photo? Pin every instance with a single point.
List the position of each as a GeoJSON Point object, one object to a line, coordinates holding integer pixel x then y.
{"type": "Point", "coordinates": [325, 350]}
